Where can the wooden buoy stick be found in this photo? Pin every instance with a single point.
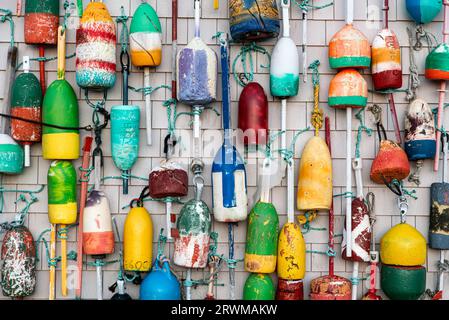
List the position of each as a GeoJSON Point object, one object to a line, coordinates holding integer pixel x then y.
{"type": "Point", "coordinates": [146, 84]}
{"type": "Point", "coordinates": [331, 210]}
{"type": "Point", "coordinates": [197, 109]}
{"type": "Point", "coordinates": [42, 70]}
{"type": "Point", "coordinates": [84, 185]}
{"type": "Point", "coordinates": [63, 259]}
{"type": "Point", "coordinates": [348, 182]}
{"type": "Point", "coordinates": [52, 282]}
{"type": "Point", "coordinates": [442, 90]}
{"type": "Point", "coordinates": [304, 45]}
{"type": "Point", "coordinates": [19, 8]}
{"type": "Point", "coordinates": [174, 38]}
{"type": "Point", "coordinates": [61, 53]}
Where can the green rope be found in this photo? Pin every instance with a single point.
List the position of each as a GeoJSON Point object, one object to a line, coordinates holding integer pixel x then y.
{"type": "Point", "coordinates": [172, 115]}
{"type": "Point", "coordinates": [88, 173]}
{"type": "Point", "coordinates": [45, 59]}
{"type": "Point", "coordinates": [410, 193]}
{"type": "Point", "coordinates": [355, 280]}
{"type": "Point", "coordinates": [71, 255]}
{"type": "Point", "coordinates": [101, 263]}
{"type": "Point", "coordinates": [67, 5]}
{"type": "Point", "coordinates": [362, 127]}
{"type": "Point", "coordinates": [218, 36]}
{"type": "Point", "coordinates": [289, 152]}
{"type": "Point", "coordinates": [124, 35]}
{"type": "Point", "coordinates": [244, 56]}
{"type": "Point", "coordinates": [7, 16]}
{"type": "Point", "coordinates": [330, 252]}
{"type": "Point", "coordinates": [315, 73]}
{"type": "Point", "coordinates": [149, 90]}
{"type": "Point", "coordinates": [347, 194]}
{"type": "Point", "coordinates": [307, 226]}
{"type": "Point", "coordinates": [305, 6]}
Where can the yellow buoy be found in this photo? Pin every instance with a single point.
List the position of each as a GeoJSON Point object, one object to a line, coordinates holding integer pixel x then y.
{"type": "Point", "coordinates": [138, 240]}
{"type": "Point", "coordinates": [291, 264]}
{"type": "Point", "coordinates": [315, 176]}
{"type": "Point", "coordinates": [403, 245]}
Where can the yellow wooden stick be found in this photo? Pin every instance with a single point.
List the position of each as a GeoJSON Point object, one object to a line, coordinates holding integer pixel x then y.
{"type": "Point", "coordinates": [216, 4]}
{"type": "Point", "coordinates": [51, 293]}
{"type": "Point", "coordinates": [63, 259]}
{"type": "Point", "coordinates": [61, 53]}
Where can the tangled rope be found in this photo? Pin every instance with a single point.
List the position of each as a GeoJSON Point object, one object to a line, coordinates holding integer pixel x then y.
{"type": "Point", "coordinates": [244, 56]}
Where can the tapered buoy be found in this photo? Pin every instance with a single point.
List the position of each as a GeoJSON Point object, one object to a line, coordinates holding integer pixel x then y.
{"type": "Point", "coordinates": [60, 108]}
{"type": "Point", "coordinates": [98, 237]}
{"type": "Point", "coordinates": [252, 20]}
{"type": "Point", "coordinates": [403, 283]}
{"type": "Point", "coordinates": [315, 176]}
{"type": "Point", "coordinates": [284, 76]}
{"type": "Point", "coordinates": [96, 48]}
{"type": "Point", "coordinates": [420, 139]}
{"type": "Point", "coordinates": [390, 163]}
{"type": "Point", "coordinates": [258, 287]}
{"type": "Point", "coordinates": [138, 240]}
{"type": "Point", "coordinates": [423, 11]}
{"type": "Point", "coordinates": [253, 115]}
{"type": "Point", "coordinates": [330, 287]}
{"type": "Point", "coordinates": [41, 21]}
{"type": "Point", "coordinates": [145, 37]}
{"type": "Point", "coordinates": [403, 245]}
{"type": "Point", "coordinates": [26, 102]}
{"type": "Point", "coordinates": [19, 263]}
{"type": "Point", "coordinates": [262, 239]}
{"type": "Point", "coordinates": [348, 89]}
{"type": "Point", "coordinates": [437, 63]}
{"type": "Point", "coordinates": [194, 226]}
{"type": "Point", "coordinates": [386, 61]}
{"type": "Point", "coordinates": [160, 283]}
{"type": "Point", "coordinates": [349, 48]}
{"type": "Point", "coordinates": [61, 180]}
{"type": "Point", "coordinates": [291, 259]}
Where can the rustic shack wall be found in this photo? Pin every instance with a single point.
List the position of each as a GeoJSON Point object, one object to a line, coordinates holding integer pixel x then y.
{"type": "Point", "coordinates": [322, 25]}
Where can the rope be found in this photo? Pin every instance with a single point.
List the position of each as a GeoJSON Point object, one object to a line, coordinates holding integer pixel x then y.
{"type": "Point", "coordinates": [45, 59]}
{"type": "Point", "coordinates": [244, 56]}
{"type": "Point", "coordinates": [306, 219]}
{"type": "Point", "coordinates": [67, 5]}
{"type": "Point", "coordinates": [124, 34]}
{"type": "Point", "coordinates": [7, 16]}
{"type": "Point", "coordinates": [305, 6]}
{"type": "Point", "coordinates": [355, 280]}
{"type": "Point", "coordinates": [413, 80]}
{"type": "Point", "coordinates": [149, 90]}
{"type": "Point", "coordinates": [317, 113]}
{"type": "Point", "coordinates": [362, 127]}
{"type": "Point", "coordinates": [71, 255]}
{"type": "Point", "coordinates": [172, 115]}
{"type": "Point", "coordinates": [289, 152]}
{"type": "Point", "coordinates": [330, 252]}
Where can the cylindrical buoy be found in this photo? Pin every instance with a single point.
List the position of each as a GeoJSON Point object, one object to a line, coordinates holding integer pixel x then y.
{"type": "Point", "coordinates": [145, 37]}
{"type": "Point", "coordinates": [258, 287]}
{"type": "Point", "coordinates": [437, 63]}
{"type": "Point", "coordinates": [160, 283]}
{"type": "Point", "coordinates": [391, 162]}
{"type": "Point", "coordinates": [420, 139]}
{"type": "Point", "coordinates": [245, 27]}
{"type": "Point", "coordinates": [423, 11]}
{"type": "Point", "coordinates": [61, 180]}
{"type": "Point", "coordinates": [386, 61]}
{"type": "Point", "coordinates": [98, 237]}
{"type": "Point", "coordinates": [349, 48]}
{"type": "Point", "coordinates": [438, 227]}
{"type": "Point", "coordinates": [315, 176]}
{"type": "Point", "coordinates": [330, 287]}
{"type": "Point", "coordinates": [138, 240]}
{"type": "Point", "coordinates": [403, 283]}
{"type": "Point", "coordinates": [26, 102]}
{"type": "Point", "coordinates": [96, 48]}
{"type": "Point", "coordinates": [60, 107]}
{"type": "Point", "coordinates": [291, 258]}
{"type": "Point", "coordinates": [194, 227]}
{"type": "Point", "coordinates": [253, 115]}
{"type": "Point", "coordinates": [41, 21]}
{"type": "Point", "coordinates": [19, 263]}
{"type": "Point", "coordinates": [168, 180]}
{"type": "Point", "coordinates": [292, 290]}
{"type": "Point", "coordinates": [11, 155]}
{"type": "Point", "coordinates": [403, 245]}
{"type": "Point", "coordinates": [348, 89]}
{"type": "Point", "coordinates": [262, 239]}
{"type": "Point", "coordinates": [125, 121]}
{"type": "Point", "coordinates": [284, 77]}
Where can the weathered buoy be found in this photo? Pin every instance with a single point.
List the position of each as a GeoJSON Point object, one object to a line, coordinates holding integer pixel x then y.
{"type": "Point", "coordinates": [315, 176]}
{"type": "Point", "coordinates": [252, 20]}
{"type": "Point", "coordinates": [41, 21]}
{"type": "Point", "coordinates": [420, 139]}
{"type": "Point", "coordinates": [423, 11]}
{"type": "Point", "coordinates": [262, 238]}
{"type": "Point", "coordinates": [291, 260]}
{"type": "Point", "coordinates": [194, 228]}
{"type": "Point", "coordinates": [145, 37]}
{"type": "Point", "coordinates": [169, 179]}
{"type": "Point", "coordinates": [349, 48]}
{"type": "Point", "coordinates": [60, 107]}
{"type": "Point", "coordinates": [437, 63]}
{"type": "Point", "coordinates": [292, 290]}
{"type": "Point", "coordinates": [348, 89]}
{"type": "Point", "coordinates": [438, 226]}
{"type": "Point", "coordinates": [284, 77]}
{"type": "Point", "coordinates": [330, 288]}
{"type": "Point", "coordinates": [96, 48]}
{"type": "Point", "coordinates": [160, 283]}
{"type": "Point", "coordinates": [253, 115]}
{"type": "Point", "coordinates": [258, 287]}
{"type": "Point", "coordinates": [386, 61]}
{"type": "Point", "coordinates": [11, 155]}
{"type": "Point", "coordinates": [26, 102]}
{"type": "Point", "coordinates": [19, 263]}
{"type": "Point", "coordinates": [390, 163]}
{"type": "Point", "coordinates": [98, 237]}
{"type": "Point", "coordinates": [125, 121]}
{"type": "Point", "coordinates": [138, 240]}
{"type": "Point", "coordinates": [61, 180]}
{"type": "Point", "coordinates": [403, 245]}
{"type": "Point", "coordinates": [403, 283]}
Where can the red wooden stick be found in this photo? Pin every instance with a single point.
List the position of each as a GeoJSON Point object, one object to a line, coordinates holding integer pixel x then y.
{"type": "Point", "coordinates": [42, 69]}
{"type": "Point", "coordinates": [331, 210]}
{"type": "Point", "coordinates": [174, 37]}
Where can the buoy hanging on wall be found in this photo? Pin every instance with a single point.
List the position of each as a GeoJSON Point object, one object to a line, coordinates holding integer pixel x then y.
{"type": "Point", "coordinates": [423, 11]}
{"type": "Point", "coordinates": [258, 287]}
{"type": "Point", "coordinates": [41, 21]}
{"type": "Point", "coordinates": [348, 89]}
{"type": "Point", "coordinates": [253, 20]}
{"type": "Point", "coordinates": [96, 48]}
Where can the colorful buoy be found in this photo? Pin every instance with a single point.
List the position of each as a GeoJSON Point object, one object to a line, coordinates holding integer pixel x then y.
{"type": "Point", "coordinates": [160, 283]}
{"type": "Point", "coordinates": [348, 89]}
{"type": "Point", "coordinates": [284, 77]}
{"type": "Point", "coordinates": [96, 48]}
{"type": "Point", "coordinates": [258, 287]}
{"type": "Point", "coordinates": [11, 155]}
{"type": "Point", "coordinates": [423, 11]}
{"type": "Point", "coordinates": [403, 283]}
{"type": "Point", "coordinates": [168, 180]}
{"type": "Point", "coordinates": [437, 63]}
{"type": "Point", "coordinates": [330, 288]}
{"type": "Point", "coordinates": [391, 162]}
{"type": "Point", "coordinates": [41, 21]}
{"type": "Point", "coordinates": [252, 20]}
